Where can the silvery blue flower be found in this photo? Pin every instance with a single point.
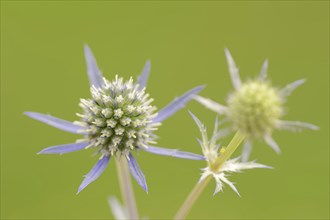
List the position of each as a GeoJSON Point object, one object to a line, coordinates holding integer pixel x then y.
{"type": "Point", "coordinates": [256, 107]}
{"type": "Point", "coordinates": [118, 119]}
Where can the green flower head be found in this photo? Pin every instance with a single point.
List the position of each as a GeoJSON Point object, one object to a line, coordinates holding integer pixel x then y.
{"type": "Point", "coordinates": [255, 107]}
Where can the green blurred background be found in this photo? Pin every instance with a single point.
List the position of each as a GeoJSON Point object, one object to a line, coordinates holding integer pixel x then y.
{"type": "Point", "coordinates": [43, 70]}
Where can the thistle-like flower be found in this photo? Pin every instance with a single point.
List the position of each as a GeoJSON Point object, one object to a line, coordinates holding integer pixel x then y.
{"type": "Point", "coordinates": [218, 162]}
{"type": "Point", "coordinates": [256, 107]}
{"type": "Point", "coordinates": [119, 118]}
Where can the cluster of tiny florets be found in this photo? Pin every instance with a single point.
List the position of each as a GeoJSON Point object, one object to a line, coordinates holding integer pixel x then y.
{"type": "Point", "coordinates": [118, 117]}
{"type": "Point", "coordinates": [255, 107]}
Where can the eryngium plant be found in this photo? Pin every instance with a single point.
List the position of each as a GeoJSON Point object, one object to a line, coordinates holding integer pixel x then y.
{"type": "Point", "coordinates": [119, 118]}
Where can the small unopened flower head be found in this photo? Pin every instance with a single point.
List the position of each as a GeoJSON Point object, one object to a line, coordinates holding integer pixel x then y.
{"type": "Point", "coordinates": [217, 165]}
{"type": "Point", "coordinates": [118, 117]}
{"type": "Point", "coordinates": [255, 108]}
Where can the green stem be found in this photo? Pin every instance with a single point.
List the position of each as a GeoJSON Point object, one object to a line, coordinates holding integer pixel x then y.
{"type": "Point", "coordinates": [228, 151]}
{"type": "Point", "coordinates": [200, 186]}
{"type": "Point", "coordinates": [126, 188]}
{"type": "Point", "coordinates": [192, 198]}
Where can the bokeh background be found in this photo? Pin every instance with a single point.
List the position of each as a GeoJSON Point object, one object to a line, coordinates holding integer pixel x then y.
{"type": "Point", "coordinates": [43, 69]}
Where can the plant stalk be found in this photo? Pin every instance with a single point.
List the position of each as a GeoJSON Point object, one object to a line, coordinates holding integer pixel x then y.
{"type": "Point", "coordinates": [225, 153]}
{"type": "Point", "coordinates": [192, 198]}
{"type": "Point", "coordinates": [126, 188]}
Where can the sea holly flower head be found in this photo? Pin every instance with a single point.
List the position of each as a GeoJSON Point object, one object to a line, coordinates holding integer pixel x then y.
{"type": "Point", "coordinates": [218, 164]}
{"type": "Point", "coordinates": [256, 107]}
{"type": "Point", "coordinates": [118, 118]}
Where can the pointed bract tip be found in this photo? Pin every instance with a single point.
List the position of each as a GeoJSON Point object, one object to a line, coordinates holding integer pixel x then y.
{"type": "Point", "coordinates": [42, 152]}
{"type": "Point", "coordinates": [301, 81]}
{"type": "Point", "coordinates": [264, 166]}
{"type": "Point", "coordinates": [268, 167]}
{"type": "Point", "coordinates": [195, 91]}
{"type": "Point", "coordinates": [314, 128]}
{"type": "Point", "coordinates": [190, 113]}
{"type": "Point", "coordinates": [81, 187]}
{"type": "Point", "coordinates": [86, 47]}
{"type": "Point", "coordinates": [28, 114]}
{"type": "Point", "coordinates": [227, 53]}
{"type": "Point", "coordinates": [88, 52]}
{"type": "Point", "coordinates": [201, 87]}
{"type": "Point", "coordinates": [298, 82]}
{"type": "Point", "coordinates": [148, 64]}
{"type": "Point", "coordinates": [193, 116]}
{"type": "Point", "coordinates": [79, 190]}
{"type": "Point", "coordinates": [47, 151]}
{"type": "Point", "coordinates": [145, 187]}
{"type": "Point", "coordinates": [264, 69]}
